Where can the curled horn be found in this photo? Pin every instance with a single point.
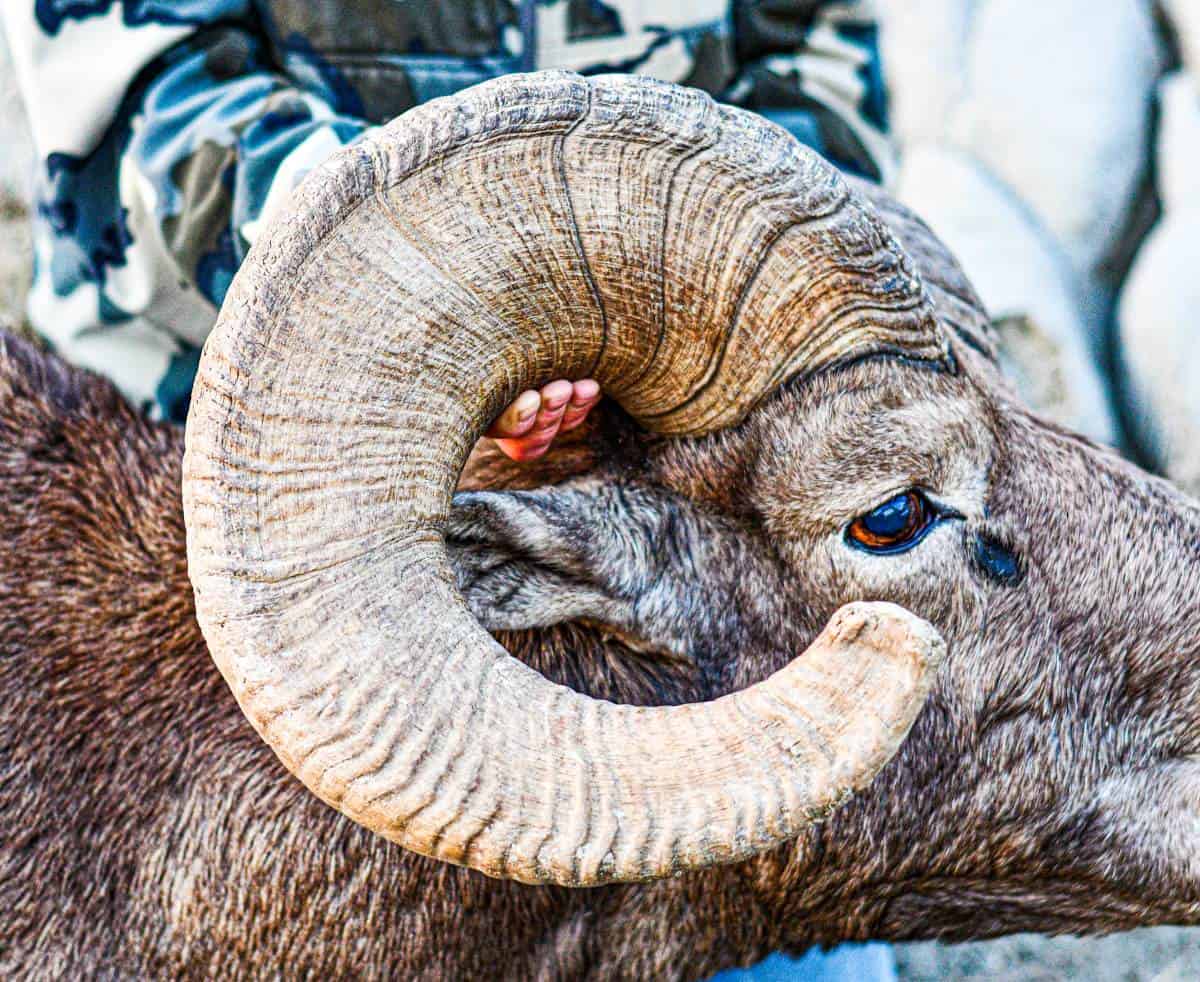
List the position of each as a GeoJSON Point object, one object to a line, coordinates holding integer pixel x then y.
{"type": "Point", "coordinates": [690, 257]}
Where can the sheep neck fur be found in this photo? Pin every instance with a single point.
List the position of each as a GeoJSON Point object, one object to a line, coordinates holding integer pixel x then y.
{"type": "Point", "coordinates": [1045, 786]}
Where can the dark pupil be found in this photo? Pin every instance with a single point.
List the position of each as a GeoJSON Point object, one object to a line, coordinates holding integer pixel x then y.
{"type": "Point", "coordinates": [890, 519]}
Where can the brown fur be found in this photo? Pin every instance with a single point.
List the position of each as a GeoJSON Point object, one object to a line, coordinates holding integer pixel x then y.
{"type": "Point", "coordinates": [1048, 785]}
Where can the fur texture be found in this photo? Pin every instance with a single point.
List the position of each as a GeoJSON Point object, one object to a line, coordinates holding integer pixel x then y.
{"type": "Point", "coordinates": [1048, 785]}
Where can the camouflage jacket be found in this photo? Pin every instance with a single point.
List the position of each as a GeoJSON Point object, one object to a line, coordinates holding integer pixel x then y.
{"type": "Point", "coordinates": [169, 130]}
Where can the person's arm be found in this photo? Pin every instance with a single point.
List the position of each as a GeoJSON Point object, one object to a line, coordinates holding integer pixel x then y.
{"type": "Point", "coordinates": [813, 67]}
{"type": "Point", "coordinates": [165, 143]}
{"type": "Point", "coordinates": [217, 145]}
{"type": "Point", "coordinates": [168, 140]}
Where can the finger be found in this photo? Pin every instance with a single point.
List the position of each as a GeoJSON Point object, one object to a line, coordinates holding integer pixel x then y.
{"type": "Point", "coordinates": [518, 418]}
{"type": "Point", "coordinates": [555, 398]}
{"type": "Point", "coordinates": [537, 439]}
{"type": "Point", "coordinates": [584, 396]}
{"type": "Point", "coordinates": [522, 451]}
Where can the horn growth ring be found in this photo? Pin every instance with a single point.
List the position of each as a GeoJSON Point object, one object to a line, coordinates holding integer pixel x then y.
{"type": "Point", "coordinates": [688, 256]}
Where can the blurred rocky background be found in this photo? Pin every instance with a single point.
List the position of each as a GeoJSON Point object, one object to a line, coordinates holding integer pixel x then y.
{"type": "Point", "coordinates": [1055, 146]}
{"type": "Point", "coordinates": [16, 172]}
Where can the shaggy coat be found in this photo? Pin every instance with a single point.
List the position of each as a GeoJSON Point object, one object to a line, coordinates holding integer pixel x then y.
{"type": "Point", "coordinates": [1048, 785]}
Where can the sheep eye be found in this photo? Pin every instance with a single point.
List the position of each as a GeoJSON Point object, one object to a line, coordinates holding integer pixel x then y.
{"type": "Point", "coordinates": [895, 526]}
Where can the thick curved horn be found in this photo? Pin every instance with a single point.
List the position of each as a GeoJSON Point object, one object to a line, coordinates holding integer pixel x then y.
{"type": "Point", "coordinates": [689, 257]}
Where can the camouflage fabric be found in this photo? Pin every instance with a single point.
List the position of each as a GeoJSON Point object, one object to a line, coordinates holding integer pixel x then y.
{"type": "Point", "coordinates": [169, 130]}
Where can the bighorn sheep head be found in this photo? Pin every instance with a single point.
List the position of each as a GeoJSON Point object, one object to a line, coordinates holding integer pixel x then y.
{"type": "Point", "coordinates": [535, 227]}
{"type": "Point", "coordinates": [723, 284]}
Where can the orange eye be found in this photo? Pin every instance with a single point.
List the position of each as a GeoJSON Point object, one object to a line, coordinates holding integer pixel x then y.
{"type": "Point", "coordinates": [896, 525]}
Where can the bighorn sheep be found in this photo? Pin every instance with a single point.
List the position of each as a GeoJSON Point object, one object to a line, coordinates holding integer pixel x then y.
{"type": "Point", "coordinates": [828, 428]}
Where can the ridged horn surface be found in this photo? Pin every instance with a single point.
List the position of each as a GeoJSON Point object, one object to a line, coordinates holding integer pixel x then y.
{"type": "Point", "coordinates": [689, 257]}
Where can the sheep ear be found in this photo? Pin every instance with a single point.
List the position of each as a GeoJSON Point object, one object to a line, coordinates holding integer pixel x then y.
{"type": "Point", "coordinates": [635, 559]}
{"type": "Point", "coordinates": [527, 559]}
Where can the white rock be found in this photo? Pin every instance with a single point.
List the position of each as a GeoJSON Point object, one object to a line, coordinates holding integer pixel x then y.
{"type": "Point", "coordinates": [1023, 279]}
{"type": "Point", "coordinates": [1179, 145]}
{"type": "Point", "coordinates": [16, 144]}
{"type": "Point", "coordinates": [1060, 94]}
{"type": "Point", "coordinates": [16, 255]}
{"type": "Point", "coordinates": [1159, 312]}
{"type": "Point", "coordinates": [1184, 16]}
{"type": "Point", "coordinates": [1054, 97]}
{"type": "Point", "coordinates": [923, 44]}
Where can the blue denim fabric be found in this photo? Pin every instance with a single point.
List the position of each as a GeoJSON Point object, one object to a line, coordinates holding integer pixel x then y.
{"type": "Point", "coordinates": [872, 962]}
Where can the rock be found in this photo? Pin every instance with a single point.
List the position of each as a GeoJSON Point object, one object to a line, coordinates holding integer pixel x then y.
{"type": "Point", "coordinates": [1161, 954]}
{"type": "Point", "coordinates": [16, 144]}
{"type": "Point", "coordinates": [1053, 97]}
{"type": "Point", "coordinates": [1184, 16]}
{"type": "Point", "coordinates": [1159, 311]}
{"type": "Point", "coordinates": [1024, 280]}
{"type": "Point", "coordinates": [16, 260]}
{"type": "Point", "coordinates": [924, 50]}
{"type": "Point", "coordinates": [1059, 108]}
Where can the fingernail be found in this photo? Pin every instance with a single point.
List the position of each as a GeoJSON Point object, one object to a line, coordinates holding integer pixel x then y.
{"type": "Point", "coordinates": [556, 394]}
{"type": "Point", "coordinates": [527, 405]}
